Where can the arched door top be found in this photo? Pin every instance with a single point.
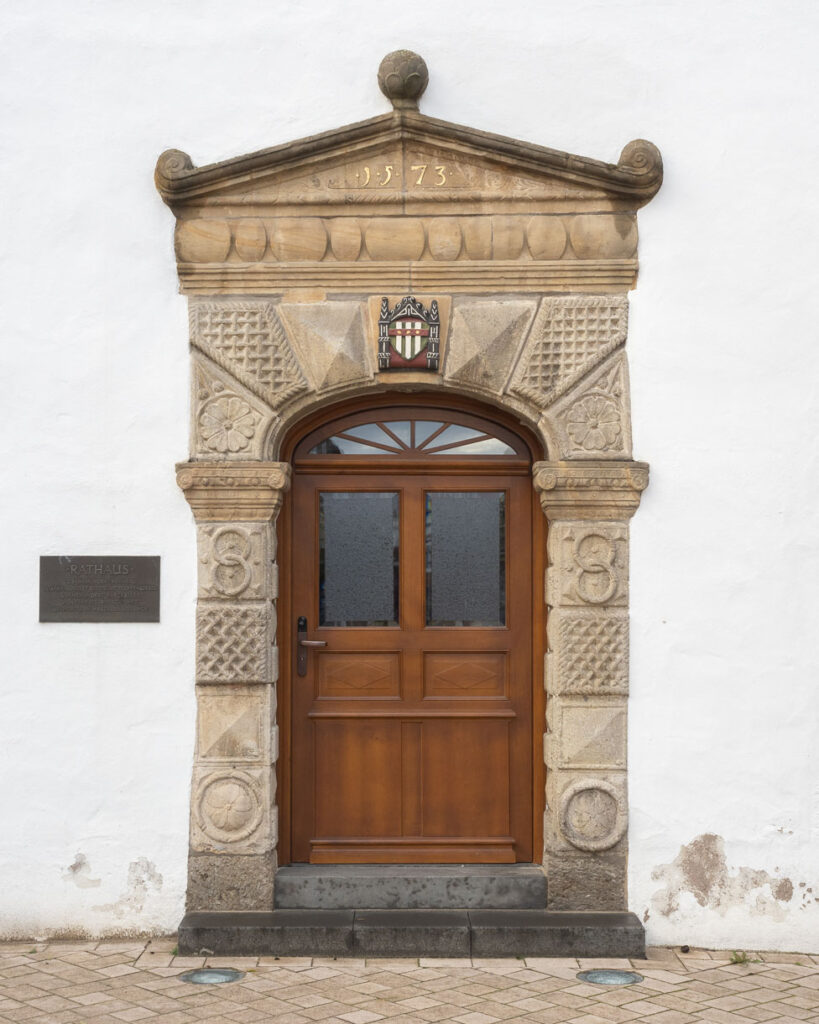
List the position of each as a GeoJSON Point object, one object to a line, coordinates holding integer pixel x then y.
{"type": "Point", "coordinates": [421, 430]}
{"type": "Point", "coordinates": [411, 432]}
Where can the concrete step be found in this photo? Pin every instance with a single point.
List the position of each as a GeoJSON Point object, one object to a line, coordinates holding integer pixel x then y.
{"type": "Point", "coordinates": [410, 887]}
{"type": "Point", "coordinates": [414, 933]}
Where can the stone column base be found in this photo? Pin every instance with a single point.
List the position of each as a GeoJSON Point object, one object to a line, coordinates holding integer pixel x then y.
{"type": "Point", "coordinates": [223, 881]}
{"type": "Point", "coordinates": [586, 881]}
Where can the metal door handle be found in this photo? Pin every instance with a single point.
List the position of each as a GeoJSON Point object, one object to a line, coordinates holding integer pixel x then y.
{"type": "Point", "coordinates": [304, 646]}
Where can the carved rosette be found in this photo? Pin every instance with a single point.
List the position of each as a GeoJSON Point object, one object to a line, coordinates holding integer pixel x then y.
{"type": "Point", "coordinates": [593, 815]}
{"type": "Point", "coordinates": [230, 810]}
{"type": "Point", "coordinates": [593, 419]}
{"type": "Point", "coordinates": [228, 422]}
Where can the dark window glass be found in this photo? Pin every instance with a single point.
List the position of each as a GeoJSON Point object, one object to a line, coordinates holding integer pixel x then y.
{"type": "Point", "coordinates": [358, 558]}
{"type": "Point", "coordinates": [430, 437]}
{"type": "Point", "coordinates": [466, 558]}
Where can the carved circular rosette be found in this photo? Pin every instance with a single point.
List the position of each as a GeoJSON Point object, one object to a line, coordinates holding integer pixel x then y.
{"type": "Point", "coordinates": [593, 815]}
{"type": "Point", "coordinates": [227, 424]}
{"type": "Point", "coordinates": [593, 423]}
{"type": "Point", "coordinates": [402, 77]}
{"type": "Point", "coordinates": [229, 806]}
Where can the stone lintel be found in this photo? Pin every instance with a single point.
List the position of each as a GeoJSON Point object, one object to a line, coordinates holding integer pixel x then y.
{"type": "Point", "coordinates": [229, 492]}
{"type": "Point", "coordinates": [590, 489]}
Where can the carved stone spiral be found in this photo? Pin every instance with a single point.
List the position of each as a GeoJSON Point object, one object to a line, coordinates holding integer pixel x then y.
{"type": "Point", "coordinates": [642, 160]}
{"type": "Point", "coordinates": [172, 164]}
{"type": "Point", "coordinates": [402, 77]}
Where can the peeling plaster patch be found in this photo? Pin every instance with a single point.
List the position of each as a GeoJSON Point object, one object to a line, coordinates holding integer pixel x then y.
{"type": "Point", "coordinates": [79, 873]}
{"type": "Point", "coordinates": [701, 869]}
{"type": "Point", "coordinates": [783, 890]}
{"type": "Point", "coordinates": [142, 875]}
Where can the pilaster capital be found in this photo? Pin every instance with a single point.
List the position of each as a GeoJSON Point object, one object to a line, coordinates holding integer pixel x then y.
{"type": "Point", "coordinates": [234, 492]}
{"type": "Point", "coordinates": [591, 489]}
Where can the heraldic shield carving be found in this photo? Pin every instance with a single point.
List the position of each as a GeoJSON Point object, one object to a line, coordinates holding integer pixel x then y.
{"type": "Point", "coordinates": [408, 335]}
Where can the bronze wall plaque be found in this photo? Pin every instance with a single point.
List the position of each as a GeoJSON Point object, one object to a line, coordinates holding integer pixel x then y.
{"type": "Point", "coordinates": [104, 588]}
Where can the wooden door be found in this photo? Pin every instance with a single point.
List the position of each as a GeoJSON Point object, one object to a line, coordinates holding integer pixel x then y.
{"type": "Point", "coordinates": [412, 724]}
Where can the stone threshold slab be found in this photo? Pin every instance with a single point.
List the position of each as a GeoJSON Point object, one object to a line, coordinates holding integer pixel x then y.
{"type": "Point", "coordinates": [410, 886]}
{"type": "Point", "coordinates": [413, 933]}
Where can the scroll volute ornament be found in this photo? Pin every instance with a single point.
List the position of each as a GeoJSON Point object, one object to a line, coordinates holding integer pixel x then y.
{"type": "Point", "coordinates": [227, 492]}
{"type": "Point", "coordinates": [590, 489]}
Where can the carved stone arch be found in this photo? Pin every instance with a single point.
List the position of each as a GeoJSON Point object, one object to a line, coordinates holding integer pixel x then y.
{"type": "Point", "coordinates": [286, 256]}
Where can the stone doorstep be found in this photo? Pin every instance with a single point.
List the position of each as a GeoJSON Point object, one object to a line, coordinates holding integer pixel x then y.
{"type": "Point", "coordinates": [413, 933]}
{"type": "Point", "coordinates": [410, 886]}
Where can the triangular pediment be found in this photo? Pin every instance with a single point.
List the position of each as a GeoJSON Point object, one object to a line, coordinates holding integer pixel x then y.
{"type": "Point", "coordinates": [415, 162]}
{"type": "Point", "coordinates": [403, 203]}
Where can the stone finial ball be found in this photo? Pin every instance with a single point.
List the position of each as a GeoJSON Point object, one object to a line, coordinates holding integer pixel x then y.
{"type": "Point", "coordinates": [402, 77]}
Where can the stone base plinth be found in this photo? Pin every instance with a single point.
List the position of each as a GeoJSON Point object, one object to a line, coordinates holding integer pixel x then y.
{"type": "Point", "coordinates": [586, 881]}
{"type": "Point", "coordinates": [227, 882]}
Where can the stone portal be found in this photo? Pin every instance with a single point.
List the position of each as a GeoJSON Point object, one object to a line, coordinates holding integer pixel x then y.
{"type": "Point", "coordinates": [286, 256]}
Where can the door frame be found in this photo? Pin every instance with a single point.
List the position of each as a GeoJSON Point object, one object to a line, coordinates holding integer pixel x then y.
{"type": "Point", "coordinates": [286, 622]}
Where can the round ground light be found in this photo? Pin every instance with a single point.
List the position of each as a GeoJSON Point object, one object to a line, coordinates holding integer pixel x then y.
{"type": "Point", "coordinates": [211, 975]}
{"type": "Point", "coordinates": [609, 976]}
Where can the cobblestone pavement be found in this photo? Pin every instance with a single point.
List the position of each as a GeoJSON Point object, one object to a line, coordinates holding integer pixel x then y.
{"type": "Point", "coordinates": [112, 982]}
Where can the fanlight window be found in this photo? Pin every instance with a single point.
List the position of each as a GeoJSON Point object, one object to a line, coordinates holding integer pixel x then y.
{"type": "Point", "coordinates": [416, 436]}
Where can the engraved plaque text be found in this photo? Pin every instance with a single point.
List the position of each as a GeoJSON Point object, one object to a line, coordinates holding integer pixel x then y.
{"type": "Point", "coordinates": [104, 588]}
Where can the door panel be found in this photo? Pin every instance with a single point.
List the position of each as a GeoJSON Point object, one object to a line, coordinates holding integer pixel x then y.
{"type": "Point", "coordinates": [465, 777]}
{"type": "Point", "coordinates": [358, 777]}
{"type": "Point", "coordinates": [412, 727]}
{"type": "Point", "coordinates": [358, 675]}
{"type": "Point", "coordinates": [465, 675]}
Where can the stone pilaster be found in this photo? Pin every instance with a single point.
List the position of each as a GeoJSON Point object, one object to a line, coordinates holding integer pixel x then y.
{"type": "Point", "coordinates": [233, 825]}
{"type": "Point", "coordinates": [588, 505]}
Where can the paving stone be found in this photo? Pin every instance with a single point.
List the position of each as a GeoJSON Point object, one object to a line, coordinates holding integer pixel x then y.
{"type": "Point", "coordinates": [406, 991]}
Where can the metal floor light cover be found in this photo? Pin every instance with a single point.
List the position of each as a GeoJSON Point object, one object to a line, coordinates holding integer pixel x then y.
{"type": "Point", "coordinates": [610, 976]}
{"type": "Point", "coordinates": [211, 975]}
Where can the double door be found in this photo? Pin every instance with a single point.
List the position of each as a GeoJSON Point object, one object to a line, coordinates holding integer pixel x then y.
{"type": "Point", "coordinates": [412, 688]}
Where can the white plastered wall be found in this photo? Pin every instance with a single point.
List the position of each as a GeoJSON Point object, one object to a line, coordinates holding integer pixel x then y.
{"type": "Point", "coordinates": [97, 720]}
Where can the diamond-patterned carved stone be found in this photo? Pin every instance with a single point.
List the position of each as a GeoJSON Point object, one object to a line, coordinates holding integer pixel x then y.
{"type": "Point", "coordinates": [248, 340]}
{"type": "Point", "coordinates": [591, 655]}
{"type": "Point", "coordinates": [231, 644]}
{"type": "Point", "coordinates": [570, 336]}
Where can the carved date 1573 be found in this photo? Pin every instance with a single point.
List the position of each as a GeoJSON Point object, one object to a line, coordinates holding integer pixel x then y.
{"type": "Point", "coordinates": [387, 175]}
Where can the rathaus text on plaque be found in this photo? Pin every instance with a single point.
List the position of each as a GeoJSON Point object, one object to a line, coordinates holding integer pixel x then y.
{"type": "Point", "coordinates": [103, 588]}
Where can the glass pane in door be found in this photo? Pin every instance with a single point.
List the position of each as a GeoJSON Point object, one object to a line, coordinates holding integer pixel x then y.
{"type": "Point", "coordinates": [465, 558]}
{"type": "Point", "coordinates": [358, 558]}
